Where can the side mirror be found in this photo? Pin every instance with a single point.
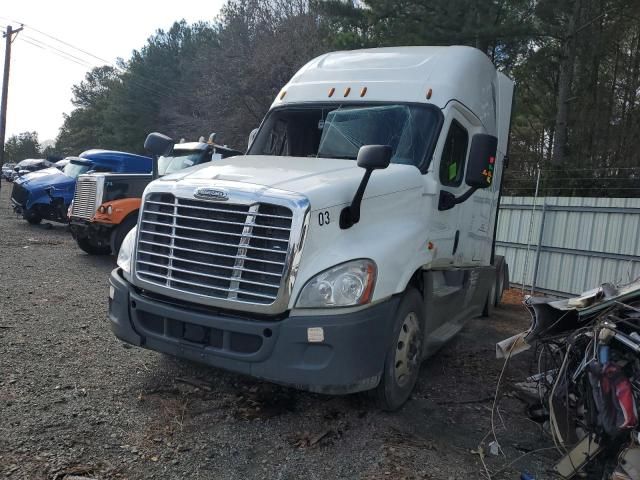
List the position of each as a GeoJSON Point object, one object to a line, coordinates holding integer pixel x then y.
{"type": "Point", "coordinates": [482, 159]}
{"type": "Point", "coordinates": [158, 144]}
{"type": "Point", "coordinates": [370, 157]}
{"type": "Point", "coordinates": [374, 157]}
{"type": "Point", "coordinates": [252, 137]}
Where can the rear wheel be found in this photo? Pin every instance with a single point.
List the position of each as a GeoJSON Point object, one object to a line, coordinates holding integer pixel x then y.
{"type": "Point", "coordinates": [91, 248]}
{"type": "Point", "coordinates": [402, 362]}
{"type": "Point", "coordinates": [502, 279]}
{"type": "Point", "coordinates": [489, 303]}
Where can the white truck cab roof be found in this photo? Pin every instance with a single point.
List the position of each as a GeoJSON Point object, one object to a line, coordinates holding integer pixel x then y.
{"type": "Point", "coordinates": [432, 75]}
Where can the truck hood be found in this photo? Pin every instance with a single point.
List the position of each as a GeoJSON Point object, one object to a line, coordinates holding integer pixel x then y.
{"type": "Point", "coordinates": [324, 181]}
{"type": "Point", "coordinates": [49, 177]}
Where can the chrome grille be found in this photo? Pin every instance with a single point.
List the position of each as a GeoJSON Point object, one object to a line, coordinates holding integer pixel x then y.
{"type": "Point", "coordinates": [228, 251]}
{"type": "Point", "coordinates": [84, 198]}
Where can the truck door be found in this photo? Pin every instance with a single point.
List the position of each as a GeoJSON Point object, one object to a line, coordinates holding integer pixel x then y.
{"type": "Point", "coordinates": [448, 167]}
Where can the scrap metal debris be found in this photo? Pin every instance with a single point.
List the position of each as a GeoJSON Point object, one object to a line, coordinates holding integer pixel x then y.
{"type": "Point", "coordinates": [588, 381]}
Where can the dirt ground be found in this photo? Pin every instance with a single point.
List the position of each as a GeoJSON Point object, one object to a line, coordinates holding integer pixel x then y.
{"type": "Point", "coordinates": [75, 402]}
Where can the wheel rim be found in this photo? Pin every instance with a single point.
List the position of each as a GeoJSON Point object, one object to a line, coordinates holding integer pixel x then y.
{"type": "Point", "coordinates": [407, 350]}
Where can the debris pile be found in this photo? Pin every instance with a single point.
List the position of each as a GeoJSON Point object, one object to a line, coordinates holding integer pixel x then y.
{"type": "Point", "coordinates": [587, 386]}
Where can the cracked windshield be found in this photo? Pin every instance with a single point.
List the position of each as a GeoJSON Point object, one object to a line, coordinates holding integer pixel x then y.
{"type": "Point", "coordinates": [339, 132]}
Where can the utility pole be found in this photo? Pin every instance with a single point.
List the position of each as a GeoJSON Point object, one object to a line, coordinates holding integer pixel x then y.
{"type": "Point", "coordinates": [5, 88]}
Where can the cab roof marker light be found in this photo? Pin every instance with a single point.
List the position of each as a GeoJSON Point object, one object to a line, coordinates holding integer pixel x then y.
{"type": "Point", "coordinates": [429, 93]}
{"type": "Point", "coordinates": [363, 91]}
{"type": "Point", "coordinates": [332, 90]}
{"type": "Point", "coordinates": [347, 91]}
{"type": "Point", "coordinates": [282, 94]}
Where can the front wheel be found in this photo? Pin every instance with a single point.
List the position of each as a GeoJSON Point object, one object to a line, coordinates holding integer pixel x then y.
{"type": "Point", "coordinates": [91, 248]}
{"type": "Point", "coordinates": [403, 358]}
{"type": "Point", "coordinates": [117, 237]}
{"type": "Point", "coordinates": [32, 217]}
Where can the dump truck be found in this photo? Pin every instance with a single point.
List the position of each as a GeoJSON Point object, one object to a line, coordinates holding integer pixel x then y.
{"type": "Point", "coordinates": [353, 239]}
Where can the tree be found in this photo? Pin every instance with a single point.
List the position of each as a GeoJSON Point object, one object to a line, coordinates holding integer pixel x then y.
{"type": "Point", "coordinates": [576, 64]}
{"type": "Point", "coordinates": [22, 146]}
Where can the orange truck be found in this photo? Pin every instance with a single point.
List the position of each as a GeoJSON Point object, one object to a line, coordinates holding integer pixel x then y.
{"type": "Point", "coordinates": [105, 205]}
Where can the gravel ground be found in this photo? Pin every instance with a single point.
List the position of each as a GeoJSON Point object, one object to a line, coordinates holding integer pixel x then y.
{"type": "Point", "coordinates": [75, 402]}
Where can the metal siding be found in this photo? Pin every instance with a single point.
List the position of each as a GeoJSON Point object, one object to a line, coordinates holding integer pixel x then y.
{"type": "Point", "coordinates": [593, 234]}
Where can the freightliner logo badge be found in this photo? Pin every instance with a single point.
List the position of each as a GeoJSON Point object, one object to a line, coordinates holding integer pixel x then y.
{"type": "Point", "coordinates": [207, 193]}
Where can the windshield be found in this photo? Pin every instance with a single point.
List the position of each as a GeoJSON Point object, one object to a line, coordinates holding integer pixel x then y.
{"type": "Point", "coordinates": [179, 160]}
{"type": "Point", "coordinates": [74, 169]}
{"type": "Point", "coordinates": [338, 131]}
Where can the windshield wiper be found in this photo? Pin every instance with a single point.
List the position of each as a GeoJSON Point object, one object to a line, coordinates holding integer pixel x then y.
{"type": "Point", "coordinates": [337, 157]}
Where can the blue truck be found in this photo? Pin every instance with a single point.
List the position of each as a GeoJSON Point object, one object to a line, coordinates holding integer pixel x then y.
{"type": "Point", "coordinates": [47, 194]}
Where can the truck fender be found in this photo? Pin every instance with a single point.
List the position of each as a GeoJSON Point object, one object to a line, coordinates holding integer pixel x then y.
{"type": "Point", "coordinates": [121, 210]}
{"type": "Point", "coordinates": [41, 199]}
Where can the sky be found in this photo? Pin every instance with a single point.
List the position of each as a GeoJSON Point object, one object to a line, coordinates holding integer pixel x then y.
{"type": "Point", "coordinates": [41, 79]}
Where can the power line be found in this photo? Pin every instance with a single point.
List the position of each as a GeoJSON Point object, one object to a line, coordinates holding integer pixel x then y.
{"type": "Point", "coordinates": [68, 56]}
{"type": "Point", "coordinates": [59, 53]}
{"type": "Point", "coordinates": [170, 93]}
{"type": "Point", "coordinates": [168, 90]}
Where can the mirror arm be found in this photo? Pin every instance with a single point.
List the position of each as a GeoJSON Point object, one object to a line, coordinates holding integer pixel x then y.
{"type": "Point", "coordinates": [452, 201]}
{"type": "Point", "coordinates": [350, 215]}
{"type": "Point", "coordinates": [465, 196]}
{"type": "Point", "coordinates": [154, 167]}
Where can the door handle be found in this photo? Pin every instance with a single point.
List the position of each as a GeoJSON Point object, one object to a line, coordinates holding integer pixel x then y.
{"type": "Point", "coordinates": [456, 240]}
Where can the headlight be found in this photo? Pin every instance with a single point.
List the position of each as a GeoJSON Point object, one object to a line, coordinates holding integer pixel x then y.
{"type": "Point", "coordinates": [126, 250]}
{"type": "Point", "coordinates": [109, 210]}
{"type": "Point", "coordinates": [101, 209]}
{"type": "Point", "coordinates": [344, 285]}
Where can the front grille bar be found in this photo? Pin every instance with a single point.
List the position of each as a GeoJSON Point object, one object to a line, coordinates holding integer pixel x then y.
{"type": "Point", "coordinates": [212, 265]}
{"type": "Point", "coordinates": [242, 212]}
{"type": "Point", "coordinates": [246, 238]}
{"type": "Point", "coordinates": [212, 287]}
{"type": "Point", "coordinates": [242, 251]}
{"type": "Point", "coordinates": [225, 233]}
{"type": "Point", "coordinates": [226, 222]}
{"type": "Point", "coordinates": [205, 252]}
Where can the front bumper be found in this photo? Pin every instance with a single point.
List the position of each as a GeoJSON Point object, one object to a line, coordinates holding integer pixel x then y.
{"type": "Point", "coordinates": [17, 207]}
{"type": "Point", "coordinates": [350, 358]}
{"type": "Point", "coordinates": [100, 232]}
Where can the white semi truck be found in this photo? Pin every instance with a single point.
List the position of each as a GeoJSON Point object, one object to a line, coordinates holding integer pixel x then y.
{"type": "Point", "coordinates": [353, 239]}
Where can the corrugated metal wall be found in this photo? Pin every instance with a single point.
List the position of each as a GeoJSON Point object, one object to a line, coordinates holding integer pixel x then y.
{"type": "Point", "coordinates": [584, 241]}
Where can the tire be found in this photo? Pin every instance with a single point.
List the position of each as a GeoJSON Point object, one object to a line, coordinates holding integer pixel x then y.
{"type": "Point", "coordinates": [502, 279]}
{"type": "Point", "coordinates": [91, 248]}
{"type": "Point", "coordinates": [32, 217]}
{"type": "Point", "coordinates": [117, 237]}
{"type": "Point", "coordinates": [403, 358]}
{"type": "Point", "coordinates": [489, 303]}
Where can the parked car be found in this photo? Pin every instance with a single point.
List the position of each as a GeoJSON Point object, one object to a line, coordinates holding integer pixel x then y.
{"type": "Point", "coordinates": [105, 205]}
{"type": "Point", "coordinates": [48, 193]}
{"type": "Point", "coordinates": [353, 239]}
{"type": "Point", "coordinates": [29, 165]}
{"type": "Point", "coordinates": [7, 170]}
{"type": "Point", "coordinates": [60, 164]}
